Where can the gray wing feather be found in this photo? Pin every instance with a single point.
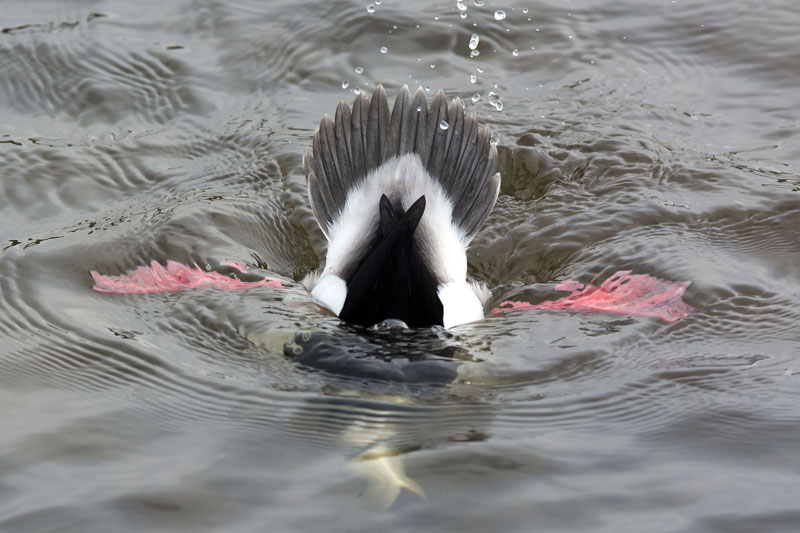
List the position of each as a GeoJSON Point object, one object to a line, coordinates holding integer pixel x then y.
{"type": "Point", "coordinates": [377, 128]}
{"type": "Point", "coordinates": [330, 161]}
{"type": "Point", "coordinates": [479, 190]}
{"type": "Point", "coordinates": [358, 136]}
{"type": "Point", "coordinates": [397, 124]}
{"type": "Point", "coordinates": [313, 162]}
{"type": "Point", "coordinates": [420, 126]}
{"type": "Point", "coordinates": [343, 148]}
{"type": "Point", "coordinates": [358, 140]}
{"type": "Point", "coordinates": [468, 146]}
{"type": "Point", "coordinates": [449, 177]}
{"type": "Point", "coordinates": [437, 137]}
{"type": "Point", "coordinates": [317, 202]}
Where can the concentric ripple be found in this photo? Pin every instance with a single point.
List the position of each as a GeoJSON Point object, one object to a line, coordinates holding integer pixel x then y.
{"type": "Point", "coordinates": [657, 138]}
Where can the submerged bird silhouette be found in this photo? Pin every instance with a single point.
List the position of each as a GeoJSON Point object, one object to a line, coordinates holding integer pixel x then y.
{"type": "Point", "coordinates": [400, 195]}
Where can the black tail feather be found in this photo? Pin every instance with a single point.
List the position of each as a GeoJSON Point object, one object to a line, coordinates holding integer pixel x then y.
{"type": "Point", "coordinates": [393, 281]}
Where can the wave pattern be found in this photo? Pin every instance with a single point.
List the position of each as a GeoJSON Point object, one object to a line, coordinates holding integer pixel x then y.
{"type": "Point", "coordinates": [653, 138]}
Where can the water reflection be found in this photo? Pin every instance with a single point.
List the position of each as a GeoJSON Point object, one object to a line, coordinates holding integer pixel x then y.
{"type": "Point", "coordinates": [378, 431]}
{"type": "Point", "coordinates": [389, 392]}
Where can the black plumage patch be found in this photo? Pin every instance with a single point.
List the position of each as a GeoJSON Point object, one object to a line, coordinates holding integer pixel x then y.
{"type": "Point", "coordinates": [393, 280]}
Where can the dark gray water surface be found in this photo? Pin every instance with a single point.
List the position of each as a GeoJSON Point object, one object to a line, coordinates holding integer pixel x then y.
{"type": "Point", "coordinates": [659, 137]}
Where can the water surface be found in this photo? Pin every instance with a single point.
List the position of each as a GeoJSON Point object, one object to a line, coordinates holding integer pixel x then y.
{"type": "Point", "coordinates": [658, 137]}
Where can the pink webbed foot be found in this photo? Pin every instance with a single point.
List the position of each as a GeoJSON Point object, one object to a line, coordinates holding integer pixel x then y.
{"type": "Point", "coordinates": [623, 293]}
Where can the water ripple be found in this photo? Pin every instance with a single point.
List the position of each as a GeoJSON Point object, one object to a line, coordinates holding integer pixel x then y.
{"type": "Point", "coordinates": [656, 138]}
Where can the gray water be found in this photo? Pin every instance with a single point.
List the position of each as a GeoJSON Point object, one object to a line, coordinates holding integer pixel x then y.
{"type": "Point", "coordinates": [659, 137]}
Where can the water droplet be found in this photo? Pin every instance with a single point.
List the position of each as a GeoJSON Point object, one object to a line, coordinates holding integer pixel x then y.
{"type": "Point", "coordinates": [433, 66]}
{"type": "Point", "coordinates": [473, 41]}
{"type": "Point", "coordinates": [524, 9]}
{"type": "Point", "coordinates": [444, 125]}
{"type": "Point", "coordinates": [498, 105]}
{"type": "Point", "coordinates": [345, 84]}
{"type": "Point", "coordinates": [370, 9]}
{"type": "Point", "coordinates": [377, 2]}
{"type": "Point", "coordinates": [499, 15]}
{"type": "Point", "coordinates": [474, 53]}
{"type": "Point", "coordinates": [480, 70]}
{"type": "Point", "coordinates": [359, 70]}
{"type": "Point", "coordinates": [436, 17]}
{"type": "Point", "coordinates": [515, 52]}
{"type": "Point", "coordinates": [357, 90]}
{"type": "Point", "coordinates": [478, 3]}
{"type": "Point", "coordinates": [384, 49]}
{"type": "Point", "coordinates": [463, 14]}
{"type": "Point", "coordinates": [476, 97]}
{"type": "Point", "coordinates": [461, 6]}
{"type": "Point", "coordinates": [419, 108]}
{"type": "Point", "coordinates": [473, 78]}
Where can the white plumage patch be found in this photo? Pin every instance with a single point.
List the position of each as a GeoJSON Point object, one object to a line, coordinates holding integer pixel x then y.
{"type": "Point", "coordinates": [330, 291]}
{"type": "Point", "coordinates": [460, 304]}
{"type": "Point", "coordinates": [403, 179]}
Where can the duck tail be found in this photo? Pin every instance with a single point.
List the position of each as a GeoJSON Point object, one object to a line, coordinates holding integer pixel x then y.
{"type": "Point", "coordinates": [450, 144]}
